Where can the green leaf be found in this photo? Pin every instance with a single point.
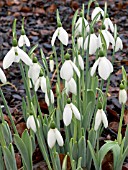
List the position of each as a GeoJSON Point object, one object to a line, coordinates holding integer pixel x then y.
{"type": "Point", "coordinates": [32, 49]}
{"type": "Point", "coordinates": [126, 138]}
{"type": "Point", "coordinates": [7, 133]}
{"type": "Point", "coordinates": [116, 155]}
{"type": "Point", "coordinates": [64, 165]}
{"type": "Point", "coordinates": [74, 19]}
{"type": "Point", "coordinates": [79, 164]}
{"type": "Point", "coordinates": [124, 74]}
{"type": "Point", "coordinates": [1, 160]}
{"type": "Point", "coordinates": [75, 151]}
{"type": "Point", "coordinates": [23, 151]}
{"type": "Point", "coordinates": [82, 150]}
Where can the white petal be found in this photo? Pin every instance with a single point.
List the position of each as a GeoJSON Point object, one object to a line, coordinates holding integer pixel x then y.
{"type": "Point", "coordinates": [75, 111]}
{"type": "Point", "coordinates": [2, 76]}
{"type": "Point", "coordinates": [93, 45]}
{"type": "Point", "coordinates": [81, 62]}
{"type": "Point", "coordinates": [43, 84]}
{"type": "Point", "coordinates": [9, 58]}
{"type": "Point", "coordinates": [93, 69]}
{"type": "Point", "coordinates": [51, 64]}
{"type": "Point", "coordinates": [27, 42]}
{"type": "Point", "coordinates": [111, 38]}
{"type": "Point", "coordinates": [59, 137]}
{"type": "Point", "coordinates": [47, 99]}
{"type": "Point", "coordinates": [67, 87]}
{"type": "Point", "coordinates": [98, 119]}
{"type": "Point", "coordinates": [21, 41]}
{"type": "Point", "coordinates": [31, 123]}
{"type": "Point", "coordinates": [104, 119]}
{"type": "Point", "coordinates": [105, 68]}
{"type": "Point", "coordinates": [63, 36]}
{"type": "Point", "coordinates": [37, 84]}
{"type": "Point", "coordinates": [78, 26]}
{"type": "Point", "coordinates": [67, 115]}
{"type": "Point", "coordinates": [54, 37]}
{"type": "Point", "coordinates": [71, 85]}
{"type": "Point", "coordinates": [122, 96]}
{"type": "Point", "coordinates": [66, 71]}
{"type": "Point", "coordinates": [75, 69]}
{"type": "Point", "coordinates": [106, 37]}
{"type": "Point", "coordinates": [95, 12]}
{"type": "Point", "coordinates": [119, 44]}
{"type": "Point", "coordinates": [86, 25]}
{"type": "Point", "coordinates": [51, 138]}
{"type": "Point", "coordinates": [51, 96]}
{"type": "Point", "coordinates": [111, 25]}
{"type": "Point", "coordinates": [34, 72]}
{"type": "Point", "coordinates": [80, 42]}
{"type": "Point", "coordinates": [24, 57]}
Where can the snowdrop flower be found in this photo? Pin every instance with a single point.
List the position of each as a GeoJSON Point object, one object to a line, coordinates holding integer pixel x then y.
{"type": "Point", "coordinates": [51, 98]}
{"type": "Point", "coordinates": [118, 44]}
{"type": "Point", "coordinates": [31, 123]}
{"type": "Point", "coordinates": [2, 76]}
{"type": "Point", "coordinates": [66, 71]}
{"type": "Point", "coordinates": [71, 86]}
{"type": "Point", "coordinates": [108, 38]}
{"type": "Point", "coordinates": [78, 26]}
{"type": "Point", "coordinates": [122, 94]}
{"type": "Point", "coordinates": [93, 44]}
{"type": "Point", "coordinates": [51, 63]}
{"type": "Point", "coordinates": [53, 136]}
{"type": "Point", "coordinates": [61, 34]}
{"type": "Point", "coordinates": [100, 117]}
{"type": "Point", "coordinates": [80, 62]}
{"type": "Point", "coordinates": [23, 40]}
{"type": "Point", "coordinates": [108, 23]}
{"type": "Point", "coordinates": [105, 68]}
{"type": "Point", "coordinates": [41, 82]}
{"type": "Point", "coordinates": [96, 11]}
{"type": "Point", "coordinates": [67, 113]}
{"type": "Point", "coordinates": [15, 55]}
{"type": "Point", "coordinates": [34, 70]}
{"type": "Point", "coordinates": [80, 42]}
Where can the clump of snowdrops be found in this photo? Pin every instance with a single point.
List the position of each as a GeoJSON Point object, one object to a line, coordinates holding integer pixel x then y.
{"type": "Point", "coordinates": [81, 104]}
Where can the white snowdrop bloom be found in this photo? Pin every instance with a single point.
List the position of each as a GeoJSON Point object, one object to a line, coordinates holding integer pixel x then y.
{"type": "Point", "coordinates": [67, 113]}
{"type": "Point", "coordinates": [100, 117]}
{"type": "Point", "coordinates": [51, 98]}
{"type": "Point", "coordinates": [41, 82]}
{"type": "Point", "coordinates": [105, 68]}
{"type": "Point", "coordinates": [93, 44]}
{"type": "Point", "coordinates": [118, 44]}
{"type": "Point", "coordinates": [108, 39]}
{"type": "Point", "coordinates": [122, 95]}
{"type": "Point", "coordinates": [78, 26]}
{"type": "Point", "coordinates": [53, 136]}
{"type": "Point", "coordinates": [80, 42]}
{"type": "Point", "coordinates": [15, 55]}
{"type": "Point", "coordinates": [62, 36]}
{"type": "Point", "coordinates": [2, 76]}
{"type": "Point", "coordinates": [34, 71]}
{"type": "Point", "coordinates": [51, 64]}
{"type": "Point", "coordinates": [108, 23]}
{"type": "Point", "coordinates": [31, 123]}
{"type": "Point", "coordinates": [70, 86]}
{"type": "Point", "coordinates": [95, 12]}
{"type": "Point", "coordinates": [23, 40]}
{"type": "Point", "coordinates": [80, 62]}
{"type": "Point", "coordinates": [66, 71]}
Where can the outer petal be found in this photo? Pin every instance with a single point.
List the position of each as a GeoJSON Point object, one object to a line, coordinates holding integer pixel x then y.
{"type": "Point", "coordinates": [9, 58]}
{"type": "Point", "coordinates": [122, 96]}
{"type": "Point", "coordinates": [119, 44]}
{"type": "Point", "coordinates": [87, 25]}
{"type": "Point", "coordinates": [43, 84]}
{"type": "Point", "coordinates": [93, 69]}
{"type": "Point", "coordinates": [67, 115]}
{"type": "Point", "coordinates": [111, 25]}
{"type": "Point", "coordinates": [27, 42]}
{"type": "Point", "coordinates": [72, 86]}
{"type": "Point", "coordinates": [37, 84]}
{"type": "Point", "coordinates": [31, 123]}
{"type": "Point", "coordinates": [104, 119]}
{"type": "Point", "coordinates": [106, 37]}
{"type": "Point", "coordinates": [63, 36]}
{"type": "Point", "coordinates": [93, 44]}
{"type": "Point", "coordinates": [54, 36]}
{"type": "Point", "coordinates": [95, 12]}
{"type": "Point", "coordinates": [47, 99]}
{"type": "Point", "coordinates": [24, 57]}
{"type": "Point", "coordinates": [51, 138]}
{"type": "Point", "coordinates": [78, 26]}
{"type": "Point", "coordinates": [59, 137]}
{"type": "Point", "coordinates": [110, 37]}
{"type": "Point", "coordinates": [81, 62]}
{"type": "Point", "coordinates": [75, 111]}
{"type": "Point", "coordinates": [80, 42]}
{"type": "Point", "coordinates": [66, 71]}
{"type": "Point", "coordinates": [2, 76]}
{"type": "Point", "coordinates": [105, 68]}
{"type": "Point", "coordinates": [75, 69]}
{"type": "Point", "coordinates": [51, 96]}
{"type": "Point", "coordinates": [21, 41]}
{"type": "Point", "coordinates": [98, 119]}
{"type": "Point", "coordinates": [51, 64]}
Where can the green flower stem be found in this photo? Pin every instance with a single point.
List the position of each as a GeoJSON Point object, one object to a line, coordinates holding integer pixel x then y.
{"type": "Point", "coordinates": [120, 124]}
{"type": "Point", "coordinates": [52, 152]}
{"type": "Point", "coordinates": [62, 52]}
{"type": "Point", "coordinates": [8, 111]}
{"type": "Point", "coordinates": [2, 140]}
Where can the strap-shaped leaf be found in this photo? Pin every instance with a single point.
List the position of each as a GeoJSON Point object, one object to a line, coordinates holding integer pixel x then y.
{"type": "Point", "coordinates": [7, 133]}
{"type": "Point", "coordinates": [64, 165]}
{"type": "Point", "coordinates": [32, 49]}
{"type": "Point", "coordinates": [1, 160]}
{"type": "Point", "coordinates": [23, 151]}
{"type": "Point", "coordinates": [82, 150]}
